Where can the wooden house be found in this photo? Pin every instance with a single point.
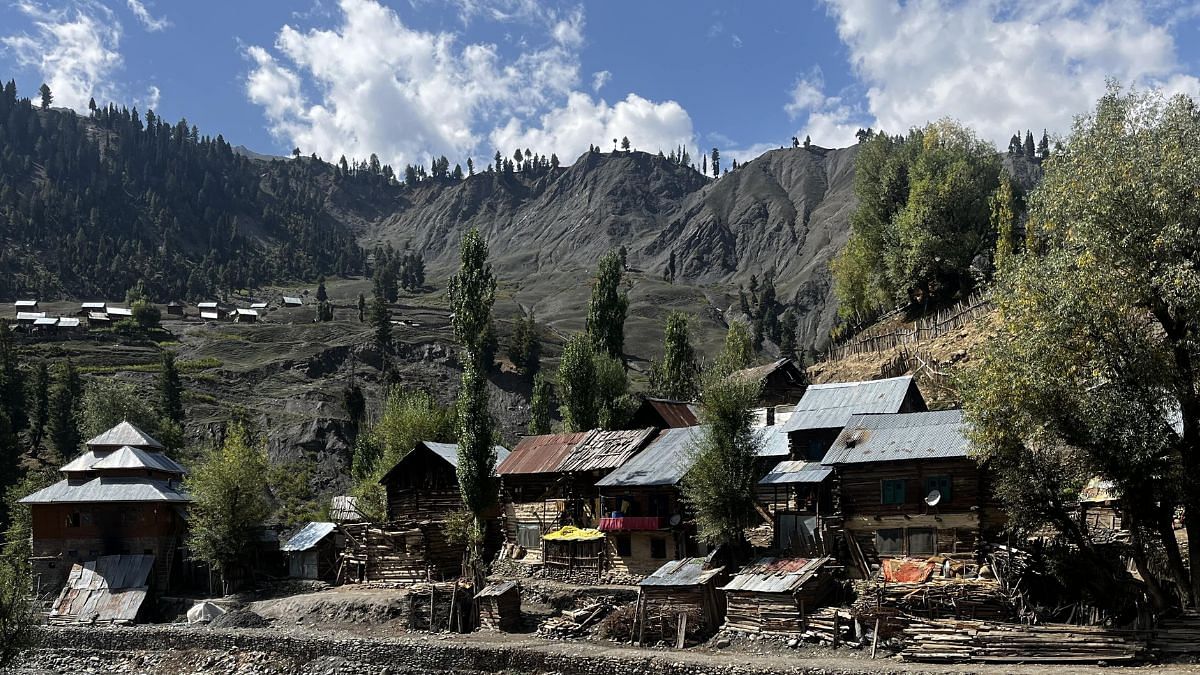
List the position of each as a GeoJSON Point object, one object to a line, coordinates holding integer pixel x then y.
{"type": "Point", "coordinates": [1100, 508]}
{"type": "Point", "coordinates": [292, 301]}
{"type": "Point", "coordinates": [782, 381]}
{"type": "Point", "coordinates": [500, 606]}
{"type": "Point", "coordinates": [28, 319]}
{"type": "Point", "coordinates": [122, 496]}
{"type": "Point", "coordinates": [68, 324]}
{"type": "Point", "coordinates": [826, 408]}
{"type": "Point", "coordinates": [679, 603]}
{"type": "Point", "coordinates": [118, 313]}
{"type": "Point", "coordinates": [643, 513]}
{"type": "Point", "coordinates": [905, 485]}
{"type": "Point", "coordinates": [242, 315]}
{"type": "Point", "coordinates": [312, 552]}
{"type": "Point", "coordinates": [98, 320]}
{"type": "Point", "coordinates": [25, 306]}
{"type": "Point", "coordinates": [175, 308]}
{"type": "Point", "coordinates": [86, 308]}
{"type": "Point", "coordinates": [775, 595]}
{"type": "Point", "coordinates": [550, 481]}
{"type": "Point", "coordinates": [799, 498]}
{"type": "Point", "coordinates": [661, 413]}
{"type": "Point", "coordinates": [423, 485]}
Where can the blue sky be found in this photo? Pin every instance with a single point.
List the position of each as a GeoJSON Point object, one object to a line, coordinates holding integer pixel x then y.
{"type": "Point", "coordinates": [410, 78]}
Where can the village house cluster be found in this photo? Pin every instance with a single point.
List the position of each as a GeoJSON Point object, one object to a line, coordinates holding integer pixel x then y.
{"type": "Point", "coordinates": [31, 317]}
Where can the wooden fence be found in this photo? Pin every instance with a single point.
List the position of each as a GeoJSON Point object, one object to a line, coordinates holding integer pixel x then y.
{"type": "Point", "coordinates": [878, 341]}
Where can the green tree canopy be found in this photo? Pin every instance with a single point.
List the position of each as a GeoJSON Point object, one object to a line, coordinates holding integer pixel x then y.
{"type": "Point", "coordinates": [539, 405]}
{"type": "Point", "coordinates": [677, 376]}
{"type": "Point", "coordinates": [577, 384]}
{"type": "Point", "coordinates": [108, 402]}
{"type": "Point", "coordinates": [1092, 369]}
{"type": "Point", "coordinates": [608, 306]}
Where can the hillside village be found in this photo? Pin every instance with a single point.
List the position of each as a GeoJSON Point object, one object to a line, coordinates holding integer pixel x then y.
{"type": "Point", "coordinates": [946, 420]}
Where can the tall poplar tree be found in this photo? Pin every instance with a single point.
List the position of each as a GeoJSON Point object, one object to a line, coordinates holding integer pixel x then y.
{"type": "Point", "coordinates": [608, 307]}
{"type": "Point", "coordinates": [677, 376]}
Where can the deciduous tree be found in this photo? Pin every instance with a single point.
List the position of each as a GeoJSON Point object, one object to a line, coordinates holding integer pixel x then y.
{"type": "Point", "coordinates": [607, 307]}
{"type": "Point", "coordinates": [677, 376]}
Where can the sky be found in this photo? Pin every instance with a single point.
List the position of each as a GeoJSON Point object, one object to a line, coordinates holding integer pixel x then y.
{"type": "Point", "coordinates": [411, 79]}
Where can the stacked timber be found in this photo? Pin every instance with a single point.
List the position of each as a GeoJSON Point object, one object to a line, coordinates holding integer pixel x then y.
{"type": "Point", "coordinates": [438, 607]}
{"type": "Point", "coordinates": [407, 552]}
{"type": "Point", "coordinates": [981, 599]}
{"type": "Point", "coordinates": [960, 641]}
{"type": "Point", "coordinates": [500, 606]}
{"type": "Point", "coordinates": [1177, 636]}
{"type": "Point", "coordinates": [833, 625]}
{"type": "Point", "coordinates": [774, 595]}
{"type": "Point", "coordinates": [576, 622]}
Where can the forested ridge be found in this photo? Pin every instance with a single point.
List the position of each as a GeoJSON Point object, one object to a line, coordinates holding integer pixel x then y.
{"type": "Point", "coordinates": [92, 205]}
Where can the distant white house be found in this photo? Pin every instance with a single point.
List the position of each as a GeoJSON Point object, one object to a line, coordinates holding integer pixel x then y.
{"type": "Point", "coordinates": [120, 312]}
{"type": "Point", "coordinates": [92, 307]}
{"type": "Point", "coordinates": [210, 315]}
{"type": "Point", "coordinates": [292, 301]}
{"type": "Point", "coordinates": [29, 318]}
{"type": "Point", "coordinates": [240, 315]}
{"type": "Point", "coordinates": [25, 306]}
{"type": "Point", "coordinates": [208, 304]}
{"type": "Point", "coordinates": [258, 305]}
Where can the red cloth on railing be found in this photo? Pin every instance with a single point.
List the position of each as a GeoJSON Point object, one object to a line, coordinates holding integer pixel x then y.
{"type": "Point", "coordinates": [631, 523]}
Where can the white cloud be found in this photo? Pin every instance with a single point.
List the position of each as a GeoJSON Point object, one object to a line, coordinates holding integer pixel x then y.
{"type": "Point", "coordinates": [808, 93]}
{"type": "Point", "coordinates": [829, 120]}
{"type": "Point", "coordinates": [569, 130]}
{"type": "Point", "coordinates": [150, 100]}
{"type": "Point", "coordinates": [147, 20]}
{"type": "Point", "coordinates": [372, 84]}
{"type": "Point", "coordinates": [75, 50]}
{"type": "Point", "coordinates": [599, 79]}
{"type": "Point", "coordinates": [1001, 66]}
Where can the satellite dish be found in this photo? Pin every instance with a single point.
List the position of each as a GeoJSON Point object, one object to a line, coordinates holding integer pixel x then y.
{"type": "Point", "coordinates": [933, 497]}
{"type": "Point", "coordinates": [676, 519]}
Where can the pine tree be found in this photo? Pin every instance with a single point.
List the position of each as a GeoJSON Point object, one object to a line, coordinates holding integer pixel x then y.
{"type": "Point", "coordinates": [1043, 149]}
{"type": "Point", "coordinates": [524, 350]}
{"type": "Point", "coordinates": [322, 296]}
{"type": "Point", "coordinates": [46, 96]}
{"type": "Point", "coordinates": [170, 390]}
{"type": "Point", "coordinates": [39, 403]}
{"type": "Point", "coordinates": [381, 321]}
{"type": "Point", "coordinates": [362, 307]}
{"type": "Point", "coordinates": [539, 406]}
{"type": "Point", "coordinates": [12, 385]}
{"type": "Point", "coordinates": [676, 377]}
{"type": "Point", "coordinates": [608, 307]}
{"type": "Point", "coordinates": [787, 335]}
{"type": "Point", "coordinates": [716, 163]}
{"type": "Point", "coordinates": [1029, 149]}
{"type": "Point", "coordinates": [64, 405]}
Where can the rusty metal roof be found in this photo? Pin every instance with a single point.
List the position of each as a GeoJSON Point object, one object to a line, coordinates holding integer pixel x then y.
{"type": "Point", "coordinates": [540, 454]}
{"type": "Point", "coordinates": [829, 406]}
{"type": "Point", "coordinates": [686, 572]}
{"type": "Point", "coordinates": [799, 471]}
{"type": "Point", "coordinates": [898, 437]}
{"type": "Point", "coordinates": [776, 575]}
{"type": "Point", "coordinates": [603, 450]}
{"type": "Point", "coordinates": [109, 589]}
{"type": "Point", "coordinates": [125, 434]}
{"type": "Point", "coordinates": [674, 414]}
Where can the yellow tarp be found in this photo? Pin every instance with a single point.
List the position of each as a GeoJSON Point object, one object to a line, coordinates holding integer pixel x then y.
{"type": "Point", "coordinates": [572, 533]}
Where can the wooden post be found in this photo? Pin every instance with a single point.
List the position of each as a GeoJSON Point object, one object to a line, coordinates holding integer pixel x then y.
{"type": "Point", "coordinates": [642, 617]}
{"type": "Point", "coordinates": [453, 597]}
{"type": "Point", "coordinates": [875, 638]}
{"type": "Point", "coordinates": [681, 631]}
{"type": "Point", "coordinates": [432, 608]}
{"type": "Point", "coordinates": [835, 628]}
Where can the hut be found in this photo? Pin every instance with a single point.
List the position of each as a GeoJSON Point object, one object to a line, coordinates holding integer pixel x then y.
{"type": "Point", "coordinates": [210, 315]}
{"type": "Point", "coordinates": [312, 552]}
{"type": "Point", "coordinates": [1100, 508]}
{"type": "Point", "coordinates": [423, 485]}
{"type": "Point", "coordinates": [46, 324]}
{"type": "Point", "coordinates": [98, 319]}
{"type": "Point", "coordinates": [241, 315]}
{"type": "Point", "coordinates": [258, 305]}
{"type": "Point", "coordinates": [782, 381]}
{"type": "Point", "coordinates": [175, 308]}
{"type": "Point", "coordinates": [86, 308]}
{"type": "Point", "coordinates": [905, 485]}
{"type": "Point", "coordinates": [292, 301]}
{"type": "Point", "coordinates": [25, 306]}
{"type": "Point", "coordinates": [208, 305]}
{"type": "Point", "coordinates": [679, 603]}
{"type": "Point", "coordinates": [775, 595]}
{"type": "Point", "coordinates": [798, 495]}
{"type": "Point", "coordinates": [118, 313]}
{"type": "Point", "coordinates": [28, 319]}
{"type": "Point", "coordinates": [122, 496]}
{"type": "Point", "coordinates": [406, 552]}
{"type": "Point", "coordinates": [644, 515]}
{"type": "Point", "coordinates": [825, 409]}
{"type": "Point", "coordinates": [500, 606]}
{"type": "Point", "coordinates": [662, 413]}
{"type": "Point", "coordinates": [68, 324]}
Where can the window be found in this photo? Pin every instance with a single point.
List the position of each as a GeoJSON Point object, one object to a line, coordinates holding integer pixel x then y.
{"type": "Point", "coordinates": [893, 491]}
{"type": "Point", "coordinates": [922, 541]}
{"type": "Point", "coordinates": [73, 519]}
{"type": "Point", "coordinates": [624, 545]}
{"type": "Point", "coordinates": [529, 535]}
{"type": "Point", "coordinates": [889, 542]}
{"type": "Point", "coordinates": [816, 449]}
{"type": "Point", "coordinates": [658, 548]}
{"type": "Point", "coordinates": [939, 483]}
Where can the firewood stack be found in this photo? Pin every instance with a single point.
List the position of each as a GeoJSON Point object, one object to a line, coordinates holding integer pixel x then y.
{"type": "Point", "coordinates": [1177, 636]}
{"type": "Point", "coordinates": [574, 623]}
{"type": "Point", "coordinates": [981, 599]}
{"type": "Point", "coordinates": [961, 641]}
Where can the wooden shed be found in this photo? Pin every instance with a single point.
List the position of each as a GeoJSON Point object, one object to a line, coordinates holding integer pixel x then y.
{"type": "Point", "coordinates": [312, 552]}
{"type": "Point", "coordinates": [574, 548]}
{"type": "Point", "coordinates": [679, 603]}
{"type": "Point", "coordinates": [782, 381]}
{"type": "Point", "coordinates": [500, 606]}
{"type": "Point", "coordinates": [775, 595]}
{"type": "Point", "coordinates": [175, 308]}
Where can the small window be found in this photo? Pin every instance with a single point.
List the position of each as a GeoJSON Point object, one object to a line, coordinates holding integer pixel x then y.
{"type": "Point", "coordinates": [889, 542]}
{"type": "Point", "coordinates": [624, 545]}
{"type": "Point", "coordinates": [658, 548]}
{"type": "Point", "coordinates": [73, 519]}
{"type": "Point", "coordinates": [893, 491]}
{"type": "Point", "coordinates": [529, 535]}
{"type": "Point", "coordinates": [921, 541]}
{"type": "Point", "coordinates": [941, 484]}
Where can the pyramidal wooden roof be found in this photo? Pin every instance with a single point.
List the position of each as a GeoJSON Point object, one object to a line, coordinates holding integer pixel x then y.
{"type": "Point", "coordinates": [124, 434]}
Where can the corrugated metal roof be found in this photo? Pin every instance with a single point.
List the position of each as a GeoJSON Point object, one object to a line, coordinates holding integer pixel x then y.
{"type": "Point", "coordinates": [110, 589]}
{"type": "Point", "coordinates": [899, 437]}
{"type": "Point", "coordinates": [92, 305]}
{"type": "Point", "coordinates": [829, 406]}
{"type": "Point", "coordinates": [603, 450]}
{"type": "Point", "coordinates": [245, 312]}
{"type": "Point", "coordinates": [46, 321]}
{"type": "Point", "coordinates": [776, 575]}
{"type": "Point", "coordinates": [109, 489]}
{"type": "Point", "coordinates": [774, 442]}
{"type": "Point", "coordinates": [664, 462]}
{"type": "Point", "coordinates": [97, 316]}
{"type": "Point", "coordinates": [686, 572]}
{"type": "Point", "coordinates": [68, 322]}
{"type": "Point", "coordinates": [26, 303]}
{"type": "Point", "coordinates": [497, 589]}
{"type": "Point", "coordinates": [207, 304]}
{"type": "Point", "coordinates": [308, 536]}
{"type": "Point", "coordinates": [798, 471]}
{"type": "Point", "coordinates": [30, 316]}
{"type": "Point", "coordinates": [540, 454]}
{"type": "Point", "coordinates": [136, 458]}
{"type": "Point", "coordinates": [258, 305]}
{"type": "Point", "coordinates": [674, 414]}
{"type": "Point", "coordinates": [119, 311]}
{"type": "Point", "coordinates": [83, 462]}
{"type": "Point", "coordinates": [125, 433]}
{"type": "Point", "coordinates": [292, 300]}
